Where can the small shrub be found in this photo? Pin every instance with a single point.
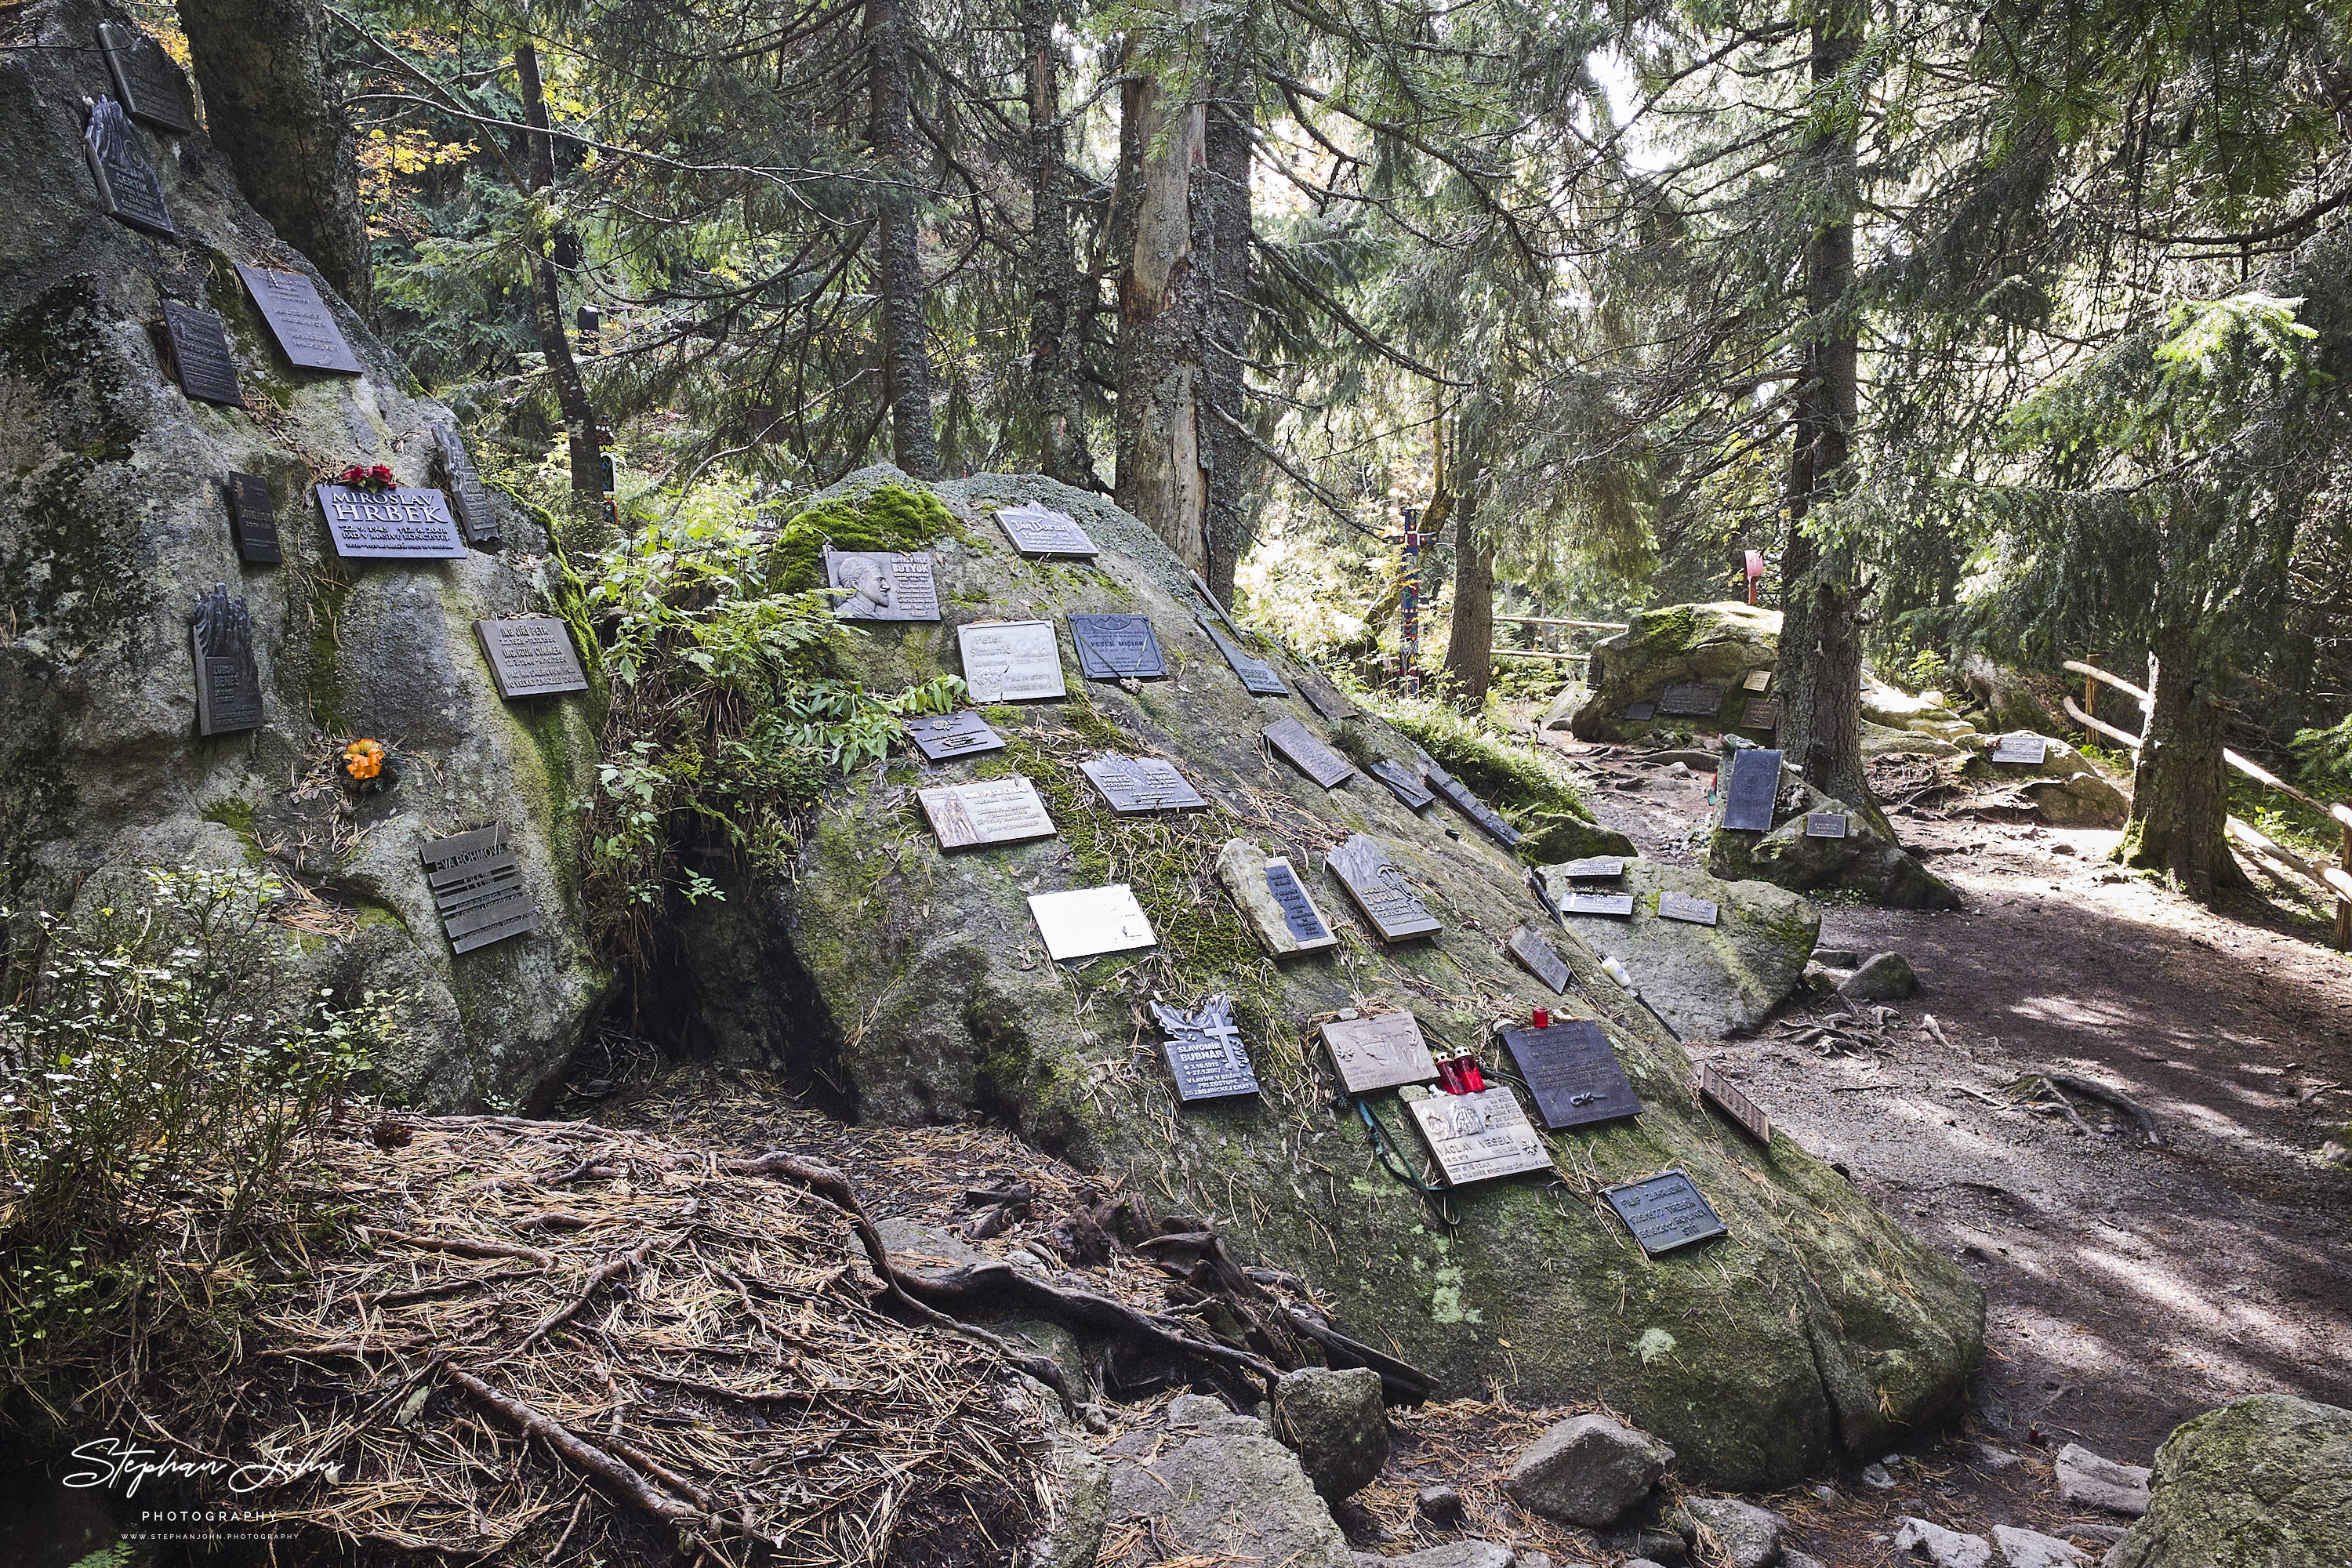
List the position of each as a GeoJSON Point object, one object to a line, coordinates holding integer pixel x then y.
{"type": "Point", "coordinates": [1515, 777]}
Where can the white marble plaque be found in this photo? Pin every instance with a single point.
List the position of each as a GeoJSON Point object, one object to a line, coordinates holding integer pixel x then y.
{"type": "Point", "coordinates": [1478, 1136]}
{"type": "Point", "coordinates": [1011, 661]}
{"type": "Point", "coordinates": [993, 811]}
{"type": "Point", "coordinates": [1087, 921]}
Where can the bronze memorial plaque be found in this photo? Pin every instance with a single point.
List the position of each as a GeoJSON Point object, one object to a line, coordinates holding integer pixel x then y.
{"type": "Point", "coordinates": [1673, 906]}
{"type": "Point", "coordinates": [1591, 868]}
{"type": "Point", "coordinates": [1640, 712]}
{"type": "Point", "coordinates": [1758, 679]}
{"type": "Point", "coordinates": [1826, 825]}
{"type": "Point", "coordinates": [1403, 783]}
{"type": "Point", "coordinates": [1379, 889]}
{"type": "Point", "coordinates": [477, 520]}
{"type": "Point", "coordinates": [1372, 1054]}
{"type": "Point", "coordinates": [1728, 1097]}
{"type": "Point", "coordinates": [1085, 921]}
{"type": "Point", "coordinates": [1118, 647]}
{"type": "Point", "coordinates": [1572, 1073]}
{"type": "Point", "coordinates": [1306, 751]}
{"type": "Point", "coordinates": [200, 353]}
{"type": "Point", "coordinates": [1616, 905]}
{"type": "Point", "coordinates": [1760, 713]}
{"type": "Point", "coordinates": [532, 657]}
{"type": "Point", "coordinates": [1477, 1136]}
{"type": "Point", "coordinates": [1540, 959]}
{"type": "Point", "coordinates": [2032, 749]}
{"type": "Point", "coordinates": [1458, 795]}
{"type": "Point", "coordinates": [1258, 677]}
{"type": "Point", "coordinates": [477, 889]}
{"type": "Point", "coordinates": [1664, 1212]}
{"type": "Point", "coordinates": [253, 520]}
{"type": "Point", "coordinates": [1011, 661]}
{"type": "Point", "coordinates": [150, 81]}
{"type": "Point", "coordinates": [127, 186]}
{"type": "Point", "coordinates": [1136, 786]}
{"type": "Point", "coordinates": [298, 319]}
{"type": "Point", "coordinates": [1752, 791]}
{"type": "Point", "coordinates": [1690, 701]}
{"type": "Point", "coordinates": [940, 736]}
{"type": "Point", "coordinates": [1036, 529]}
{"type": "Point", "coordinates": [228, 682]}
{"type": "Point", "coordinates": [993, 811]}
{"type": "Point", "coordinates": [1326, 699]}
{"type": "Point", "coordinates": [391, 525]}
{"type": "Point", "coordinates": [1205, 1051]}
{"type": "Point", "coordinates": [883, 586]}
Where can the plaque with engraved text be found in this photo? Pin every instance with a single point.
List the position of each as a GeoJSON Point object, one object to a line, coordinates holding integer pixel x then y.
{"type": "Point", "coordinates": [1756, 680]}
{"type": "Point", "coordinates": [200, 354]}
{"type": "Point", "coordinates": [1673, 906]}
{"type": "Point", "coordinates": [2031, 750]}
{"type": "Point", "coordinates": [390, 525]}
{"type": "Point", "coordinates": [1301, 918]}
{"type": "Point", "coordinates": [298, 319]}
{"type": "Point", "coordinates": [1477, 1136]}
{"type": "Point", "coordinates": [1540, 959]}
{"type": "Point", "coordinates": [1591, 868]}
{"type": "Point", "coordinates": [1458, 795]}
{"type": "Point", "coordinates": [1760, 713]}
{"type": "Point", "coordinates": [1640, 712]}
{"type": "Point", "coordinates": [1379, 889]}
{"type": "Point", "coordinates": [253, 520]}
{"type": "Point", "coordinates": [127, 186]}
{"type": "Point", "coordinates": [1618, 906]}
{"type": "Point", "coordinates": [531, 657]}
{"type": "Point", "coordinates": [1136, 786]}
{"type": "Point", "coordinates": [228, 681]}
{"type": "Point", "coordinates": [1403, 783]}
{"type": "Point", "coordinates": [1205, 1051]}
{"type": "Point", "coordinates": [1690, 701]}
{"type": "Point", "coordinates": [1729, 1099]}
{"type": "Point", "coordinates": [1273, 900]}
{"type": "Point", "coordinates": [1826, 825]}
{"type": "Point", "coordinates": [1011, 661]}
{"type": "Point", "coordinates": [477, 889]}
{"type": "Point", "coordinates": [1754, 789]}
{"type": "Point", "coordinates": [883, 586]}
{"type": "Point", "coordinates": [993, 811]}
{"type": "Point", "coordinates": [942, 736]}
{"type": "Point", "coordinates": [1089, 921]}
{"type": "Point", "coordinates": [1572, 1073]}
{"type": "Point", "coordinates": [1372, 1054]}
{"type": "Point", "coordinates": [477, 520]}
{"type": "Point", "coordinates": [1326, 699]}
{"type": "Point", "coordinates": [1306, 751]}
{"type": "Point", "coordinates": [1664, 1212]}
{"type": "Point", "coordinates": [1036, 529]}
{"type": "Point", "coordinates": [1258, 677]}
{"type": "Point", "coordinates": [1118, 647]}
{"type": "Point", "coordinates": [150, 84]}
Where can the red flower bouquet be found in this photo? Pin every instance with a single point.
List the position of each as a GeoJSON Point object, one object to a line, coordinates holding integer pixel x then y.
{"type": "Point", "coordinates": [377, 479]}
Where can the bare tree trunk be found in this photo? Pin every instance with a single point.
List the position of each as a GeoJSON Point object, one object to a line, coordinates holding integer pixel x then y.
{"type": "Point", "coordinates": [1470, 639]}
{"type": "Point", "coordinates": [1223, 194]}
{"type": "Point", "coordinates": [1056, 348]}
{"type": "Point", "coordinates": [547, 301]}
{"type": "Point", "coordinates": [2180, 796]}
{"type": "Point", "coordinates": [275, 113]}
{"type": "Point", "coordinates": [906, 349]}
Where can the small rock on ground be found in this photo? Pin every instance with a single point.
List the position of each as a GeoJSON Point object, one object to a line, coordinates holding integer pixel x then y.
{"type": "Point", "coordinates": [1883, 977]}
{"type": "Point", "coordinates": [2085, 1477]}
{"type": "Point", "coordinates": [1588, 1470]}
{"type": "Point", "coordinates": [1750, 1536]}
{"type": "Point", "coordinates": [1438, 1502]}
{"type": "Point", "coordinates": [2030, 1549]}
{"type": "Point", "coordinates": [1338, 1424]}
{"type": "Point", "coordinates": [1944, 1548]}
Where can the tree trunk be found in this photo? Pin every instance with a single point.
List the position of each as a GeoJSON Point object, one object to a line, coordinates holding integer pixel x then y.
{"type": "Point", "coordinates": [1223, 195]}
{"type": "Point", "coordinates": [2180, 796]}
{"type": "Point", "coordinates": [1470, 639]}
{"type": "Point", "coordinates": [275, 114]}
{"type": "Point", "coordinates": [1820, 636]}
{"type": "Point", "coordinates": [1056, 349]}
{"type": "Point", "coordinates": [906, 349]}
{"type": "Point", "coordinates": [547, 301]}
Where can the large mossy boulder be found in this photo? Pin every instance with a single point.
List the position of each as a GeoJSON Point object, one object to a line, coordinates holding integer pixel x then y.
{"type": "Point", "coordinates": [912, 984]}
{"type": "Point", "coordinates": [2064, 789]}
{"type": "Point", "coordinates": [1866, 860]}
{"type": "Point", "coordinates": [2262, 1482]}
{"type": "Point", "coordinates": [112, 522]}
{"type": "Point", "coordinates": [1711, 645]}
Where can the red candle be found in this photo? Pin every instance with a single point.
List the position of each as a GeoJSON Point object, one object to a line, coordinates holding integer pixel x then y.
{"type": "Point", "coordinates": [1543, 1017]}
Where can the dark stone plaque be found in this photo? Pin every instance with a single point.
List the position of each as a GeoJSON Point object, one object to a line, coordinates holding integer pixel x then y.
{"type": "Point", "coordinates": [1036, 531]}
{"type": "Point", "coordinates": [1664, 1212]}
{"type": "Point", "coordinates": [883, 586]}
{"type": "Point", "coordinates": [477, 889]}
{"type": "Point", "coordinates": [1475, 1136]}
{"type": "Point", "coordinates": [1118, 647]}
{"type": "Point", "coordinates": [150, 84]}
{"type": "Point", "coordinates": [1826, 825]}
{"type": "Point", "coordinates": [390, 525]}
{"type": "Point", "coordinates": [993, 811]}
{"type": "Point", "coordinates": [1540, 959]}
{"type": "Point", "coordinates": [1326, 699]}
{"type": "Point", "coordinates": [1403, 783]}
{"type": "Point", "coordinates": [1726, 1097]}
{"type": "Point", "coordinates": [477, 518]}
{"type": "Point", "coordinates": [200, 354]}
{"type": "Point", "coordinates": [298, 319]}
{"type": "Point", "coordinates": [228, 682]}
{"type": "Point", "coordinates": [1756, 680]}
{"type": "Point", "coordinates": [1459, 796]}
{"type": "Point", "coordinates": [1640, 712]}
{"type": "Point", "coordinates": [533, 658]}
{"type": "Point", "coordinates": [1620, 905]}
{"type": "Point", "coordinates": [1205, 1051]}
{"type": "Point", "coordinates": [1201, 585]}
{"type": "Point", "coordinates": [1592, 868]}
{"type": "Point", "coordinates": [1301, 918]}
{"type": "Point", "coordinates": [1373, 1054]}
{"type": "Point", "coordinates": [946, 735]}
{"type": "Point", "coordinates": [1389, 904]}
{"type": "Point", "coordinates": [1754, 788]}
{"type": "Point", "coordinates": [1136, 786]}
{"type": "Point", "coordinates": [1572, 1073]}
{"type": "Point", "coordinates": [253, 520]}
{"type": "Point", "coordinates": [1307, 753]}
{"type": "Point", "coordinates": [2032, 749]}
{"type": "Point", "coordinates": [1672, 906]}
{"type": "Point", "coordinates": [127, 186]}
{"type": "Point", "coordinates": [1760, 713]}
{"type": "Point", "coordinates": [1691, 701]}
{"type": "Point", "coordinates": [1257, 675]}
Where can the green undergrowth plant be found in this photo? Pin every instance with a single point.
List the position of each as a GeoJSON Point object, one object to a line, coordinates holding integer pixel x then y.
{"type": "Point", "coordinates": [1515, 775]}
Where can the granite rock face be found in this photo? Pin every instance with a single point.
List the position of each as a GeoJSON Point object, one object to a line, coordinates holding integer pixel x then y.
{"type": "Point", "coordinates": [2262, 1482]}
{"type": "Point", "coordinates": [1217, 1486]}
{"type": "Point", "coordinates": [1706, 645]}
{"type": "Point", "coordinates": [1587, 1470]}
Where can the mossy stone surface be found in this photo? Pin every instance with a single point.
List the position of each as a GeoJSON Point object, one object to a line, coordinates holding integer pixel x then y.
{"type": "Point", "coordinates": [1714, 644]}
{"type": "Point", "coordinates": [2262, 1482]}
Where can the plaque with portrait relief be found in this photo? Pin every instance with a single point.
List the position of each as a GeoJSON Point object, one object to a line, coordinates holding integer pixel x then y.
{"type": "Point", "coordinates": [883, 586]}
{"type": "Point", "coordinates": [1477, 1137]}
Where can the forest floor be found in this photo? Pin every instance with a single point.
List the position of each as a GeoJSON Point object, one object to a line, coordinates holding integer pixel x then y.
{"type": "Point", "coordinates": [2130, 1287]}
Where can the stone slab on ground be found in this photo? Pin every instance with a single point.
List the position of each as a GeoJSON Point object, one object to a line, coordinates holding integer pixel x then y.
{"type": "Point", "coordinates": [2086, 1478]}
{"type": "Point", "coordinates": [2032, 1549]}
{"type": "Point", "coordinates": [1219, 1487]}
{"type": "Point", "coordinates": [1709, 982]}
{"type": "Point", "coordinates": [1944, 1548]}
{"type": "Point", "coordinates": [1748, 1536]}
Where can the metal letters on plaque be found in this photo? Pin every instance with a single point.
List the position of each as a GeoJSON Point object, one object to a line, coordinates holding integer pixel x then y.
{"type": "Point", "coordinates": [1727, 1097]}
{"type": "Point", "coordinates": [1118, 647]}
{"type": "Point", "coordinates": [1572, 1073]}
{"type": "Point", "coordinates": [1475, 1136]}
{"type": "Point", "coordinates": [1036, 531]}
{"type": "Point", "coordinates": [477, 518]}
{"type": "Point", "coordinates": [1540, 959]}
{"type": "Point", "coordinates": [1307, 753]}
{"type": "Point", "coordinates": [1664, 1212]}
{"type": "Point", "coordinates": [298, 319]}
{"type": "Point", "coordinates": [1672, 906]}
{"type": "Point", "coordinates": [1691, 701]}
{"type": "Point", "coordinates": [1593, 868]}
{"type": "Point", "coordinates": [1136, 785]}
{"type": "Point", "coordinates": [253, 520]}
{"type": "Point", "coordinates": [531, 657]}
{"type": "Point", "coordinates": [2030, 749]}
{"type": "Point", "coordinates": [1826, 825]}
{"type": "Point", "coordinates": [1011, 661]}
{"type": "Point", "coordinates": [1372, 1054]}
{"type": "Point", "coordinates": [1616, 904]}
{"type": "Point", "coordinates": [1205, 1051]}
{"type": "Point", "coordinates": [1326, 699]}
{"type": "Point", "coordinates": [150, 84]}
{"type": "Point", "coordinates": [1755, 787]}
{"type": "Point", "coordinates": [127, 186]}
{"type": "Point", "coordinates": [1640, 712]}
{"type": "Point", "coordinates": [1758, 679]}
{"type": "Point", "coordinates": [1089, 921]}
{"type": "Point", "coordinates": [1458, 795]}
{"type": "Point", "coordinates": [993, 811]}
{"type": "Point", "coordinates": [1258, 677]}
{"type": "Point", "coordinates": [391, 525]}
{"type": "Point", "coordinates": [883, 586]}
{"type": "Point", "coordinates": [228, 682]}
{"type": "Point", "coordinates": [961, 734]}
{"type": "Point", "coordinates": [1389, 903]}
{"type": "Point", "coordinates": [201, 354]}
{"type": "Point", "coordinates": [477, 889]}
{"type": "Point", "coordinates": [1760, 713]}
{"type": "Point", "coordinates": [1403, 783]}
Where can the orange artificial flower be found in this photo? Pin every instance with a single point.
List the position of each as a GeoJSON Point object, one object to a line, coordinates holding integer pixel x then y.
{"type": "Point", "coordinates": [363, 759]}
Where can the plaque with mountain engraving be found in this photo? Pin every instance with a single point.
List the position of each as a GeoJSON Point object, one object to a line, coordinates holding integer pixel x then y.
{"type": "Point", "coordinates": [531, 657]}
{"type": "Point", "coordinates": [1690, 701]}
{"type": "Point", "coordinates": [1380, 891]}
{"type": "Point", "coordinates": [993, 811]}
{"type": "Point", "coordinates": [1036, 529]}
{"type": "Point", "coordinates": [1458, 795]}
{"type": "Point", "coordinates": [1826, 825]}
{"type": "Point", "coordinates": [1574, 1076]}
{"type": "Point", "coordinates": [1306, 751]}
{"type": "Point", "coordinates": [1664, 1212]}
{"type": "Point", "coordinates": [1616, 906]}
{"type": "Point", "coordinates": [1118, 647]}
{"type": "Point", "coordinates": [477, 520]}
{"type": "Point", "coordinates": [1475, 1137]}
{"type": "Point", "coordinates": [1540, 959]}
{"type": "Point", "coordinates": [944, 736]}
{"type": "Point", "coordinates": [1673, 906]}
{"type": "Point", "coordinates": [1011, 661]}
{"type": "Point", "coordinates": [1729, 1099]}
{"type": "Point", "coordinates": [200, 354]}
{"type": "Point", "coordinates": [1403, 783]}
{"type": "Point", "coordinates": [1373, 1054]}
{"type": "Point", "coordinates": [1085, 921]}
{"type": "Point", "coordinates": [1640, 712]}
{"type": "Point", "coordinates": [883, 586]}
{"type": "Point", "coordinates": [127, 186]}
{"type": "Point", "coordinates": [228, 681]}
{"type": "Point", "coordinates": [1755, 787]}
{"type": "Point", "coordinates": [1205, 1051]}
{"type": "Point", "coordinates": [1591, 868]}
{"type": "Point", "coordinates": [253, 520]}
{"type": "Point", "coordinates": [298, 319]}
{"type": "Point", "coordinates": [477, 889]}
{"type": "Point", "coordinates": [1760, 713]}
{"type": "Point", "coordinates": [2031, 750]}
{"type": "Point", "coordinates": [390, 525]}
{"type": "Point", "coordinates": [1756, 680]}
{"type": "Point", "coordinates": [1136, 786]}
{"type": "Point", "coordinates": [150, 84]}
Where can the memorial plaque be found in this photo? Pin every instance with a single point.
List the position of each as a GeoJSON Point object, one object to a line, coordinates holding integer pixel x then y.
{"type": "Point", "coordinates": [1201, 585]}
{"type": "Point", "coordinates": [1326, 699]}
{"type": "Point", "coordinates": [884, 585]}
{"type": "Point", "coordinates": [1459, 796]}
{"type": "Point", "coordinates": [1754, 790]}
{"type": "Point", "coordinates": [1758, 679]}
{"type": "Point", "coordinates": [1640, 712]}
{"type": "Point", "coordinates": [1592, 868]}
{"type": "Point", "coordinates": [127, 186]}
{"type": "Point", "coordinates": [477, 518]}
{"type": "Point", "coordinates": [1617, 905]}
{"type": "Point", "coordinates": [228, 682]}
{"type": "Point", "coordinates": [993, 811]}
{"type": "Point", "coordinates": [1727, 1097]}
{"type": "Point", "coordinates": [253, 520]}
{"type": "Point", "coordinates": [1826, 825]}
{"type": "Point", "coordinates": [200, 354]}
{"type": "Point", "coordinates": [148, 79]}
{"type": "Point", "coordinates": [1540, 959]}
{"type": "Point", "coordinates": [1011, 661]}
{"type": "Point", "coordinates": [1388, 901]}
{"type": "Point", "coordinates": [1572, 1073]}
{"type": "Point", "coordinates": [1691, 701]}
{"type": "Point", "coordinates": [1664, 1212]}
{"type": "Point", "coordinates": [1205, 1051]}
{"type": "Point", "coordinates": [1760, 713]}
{"type": "Point", "coordinates": [1477, 1136]}
{"type": "Point", "coordinates": [1087, 921]}
{"type": "Point", "coordinates": [1258, 677]}
{"type": "Point", "coordinates": [1035, 530]}
{"type": "Point", "coordinates": [1271, 897]}
{"type": "Point", "coordinates": [1307, 753]}
{"type": "Point", "coordinates": [1372, 1054]}
{"type": "Point", "coordinates": [1137, 785]}
{"type": "Point", "coordinates": [1301, 918]}
{"type": "Point", "coordinates": [1403, 783]}
{"type": "Point", "coordinates": [945, 735]}
{"type": "Point", "coordinates": [298, 319]}
{"type": "Point", "coordinates": [531, 657]}
{"type": "Point", "coordinates": [1672, 906]}
{"type": "Point", "coordinates": [2029, 749]}
{"type": "Point", "coordinates": [1118, 647]}
{"type": "Point", "coordinates": [390, 525]}
{"type": "Point", "coordinates": [477, 889]}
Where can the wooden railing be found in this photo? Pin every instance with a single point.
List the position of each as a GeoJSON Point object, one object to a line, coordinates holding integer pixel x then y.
{"type": "Point", "coordinates": [1551, 621]}
{"type": "Point", "coordinates": [2336, 878]}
